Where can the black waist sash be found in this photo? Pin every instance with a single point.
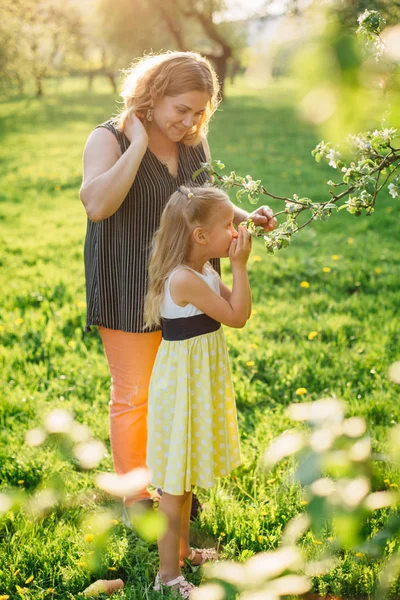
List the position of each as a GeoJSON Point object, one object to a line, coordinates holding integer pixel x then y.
{"type": "Point", "coordinates": [188, 327]}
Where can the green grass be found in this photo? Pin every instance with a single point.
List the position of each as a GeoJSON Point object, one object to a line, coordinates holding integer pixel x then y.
{"type": "Point", "coordinates": [47, 362]}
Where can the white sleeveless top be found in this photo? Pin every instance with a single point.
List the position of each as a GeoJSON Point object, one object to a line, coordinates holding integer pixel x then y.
{"type": "Point", "coordinates": [170, 310]}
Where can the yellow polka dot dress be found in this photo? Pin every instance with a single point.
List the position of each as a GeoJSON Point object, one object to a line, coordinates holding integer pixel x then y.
{"type": "Point", "coordinates": [192, 424]}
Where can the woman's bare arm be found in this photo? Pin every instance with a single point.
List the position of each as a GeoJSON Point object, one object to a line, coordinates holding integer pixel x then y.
{"type": "Point", "coordinates": [108, 175]}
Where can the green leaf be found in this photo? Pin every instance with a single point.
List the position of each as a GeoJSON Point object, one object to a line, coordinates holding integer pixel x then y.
{"type": "Point", "coordinates": [197, 173]}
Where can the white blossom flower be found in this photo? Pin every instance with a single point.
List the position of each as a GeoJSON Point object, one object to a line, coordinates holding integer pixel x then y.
{"type": "Point", "coordinates": [364, 16]}
{"type": "Point", "coordinates": [333, 156]}
{"type": "Point", "coordinates": [393, 190]}
{"type": "Point", "coordinates": [360, 143]}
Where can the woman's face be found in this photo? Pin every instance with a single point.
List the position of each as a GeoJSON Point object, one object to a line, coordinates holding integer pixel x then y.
{"type": "Point", "coordinates": [176, 116]}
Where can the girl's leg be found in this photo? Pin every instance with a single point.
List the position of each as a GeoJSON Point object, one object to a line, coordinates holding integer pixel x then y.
{"type": "Point", "coordinates": [184, 545]}
{"type": "Point", "coordinates": [184, 548]}
{"type": "Point", "coordinates": [168, 546]}
{"type": "Point", "coordinates": [130, 357]}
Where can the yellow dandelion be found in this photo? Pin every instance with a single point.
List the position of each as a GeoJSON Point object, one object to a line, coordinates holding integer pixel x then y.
{"type": "Point", "coordinates": [253, 312]}
{"type": "Point", "coordinates": [29, 580]}
{"type": "Point", "coordinates": [256, 258]}
{"type": "Point", "coordinates": [250, 363]}
{"type": "Point", "coordinates": [386, 481]}
{"type": "Point", "coordinates": [57, 188]}
{"type": "Point", "coordinates": [50, 590]}
{"type": "Point", "coordinates": [112, 568]}
{"type": "Point", "coordinates": [17, 572]}
{"type": "Point", "coordinates": [89, 537]}
{"type": "Point", "coordinates": [359, 554]}
{"type": "Point", "coordinates": [4, 597]}
{"type": "Point", "coordinates": [389, 209]}
{"type": "Point", "coordinates": [301, 391]}
{"type": "Point", "coordinates": [222, 534]}
{"type": "Point", "coordinates": [335, 257]}
{"type": "Point", "coordinates": [326, 269]}
{"type": "Point", "coordinates": [81, 564]}
{"type": "Point", "coordinates": [330, 539]}
{"type": "Point", "coordinates": [393, 485]}
{"type": "Point", "coordinates": [312, 335]}
{"type": "Point", "coordinates": [350, 241]}
{"type": "Point", "coordinates": [378, 271]}
{"type": "Point", "coordinates": [260, 538]}
{"type": "Point", "coordinates": [18, 321]}
{"type": "Point", "coordinates": [271, 480]}
{"type": "Point", "coordinates": [318, 542]}
{"type": "Point", "coordinates": [303, 502]}
{"type": "Point", "coordinates": [114, 521]}
{"type": "Point", "coordinates": [1, 327]}
{"type": "Point", "coordinates": [304, 284]}
{"type": "Point", "coordinates": [21, 482]}
{"type": "Point", "coordinates": [71, 344]}
{"type": "Point", "coordinates": [253, 345]}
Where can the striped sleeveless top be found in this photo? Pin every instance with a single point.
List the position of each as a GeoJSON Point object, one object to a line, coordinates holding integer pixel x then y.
{"type": "Point", "coordinates": [117, 249]}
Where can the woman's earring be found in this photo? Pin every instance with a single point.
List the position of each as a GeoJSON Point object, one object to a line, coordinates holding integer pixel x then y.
{"type": "Point", "coordinates": [149, 114]}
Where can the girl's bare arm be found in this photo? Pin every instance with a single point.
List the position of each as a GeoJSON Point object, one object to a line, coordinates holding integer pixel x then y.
{"type": "Point", "coordinates": [188, 288]}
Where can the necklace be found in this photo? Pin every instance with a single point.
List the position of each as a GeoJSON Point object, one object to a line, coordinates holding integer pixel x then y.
{"type": "Point", "coordinates": [165, 161]}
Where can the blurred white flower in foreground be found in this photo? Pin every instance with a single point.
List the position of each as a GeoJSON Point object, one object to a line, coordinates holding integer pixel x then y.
{"type": "Point", "coordinates": [59, 421]}
{"type": "Point", "coordinates": [128, 484]}
{"type": "Point", "coordinates": [90, 453]}
{"type": "Point", "coordinates": [286, 444]}
{"type": "Point", "coordinates": [35, 437]}
{"type": "Point", "coordinates": [5, 503]}
{"type": "Point", "coordinates": [394, 372]}
{"type": "Point", "coordinates": [320, 410]}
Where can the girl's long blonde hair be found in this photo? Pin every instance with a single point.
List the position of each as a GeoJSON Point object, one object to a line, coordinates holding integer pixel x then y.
{"type": "Point", "coordinates": [186, 210]}
{"type": "Point", "coordinates": [169, 74]}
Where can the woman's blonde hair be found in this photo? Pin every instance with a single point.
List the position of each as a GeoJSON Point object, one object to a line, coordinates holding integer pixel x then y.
{"type": "Point", "coordinates": [169, 74]}
{"type": "Point", "coordinates": [186, 210]}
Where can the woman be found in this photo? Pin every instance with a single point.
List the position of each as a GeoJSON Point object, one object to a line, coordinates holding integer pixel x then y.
{"type": "Point", "coordinates": [132, 165]}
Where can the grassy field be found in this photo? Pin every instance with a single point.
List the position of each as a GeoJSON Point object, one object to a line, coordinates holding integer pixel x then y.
{"type": "Point", "coordinates": [47, 362]}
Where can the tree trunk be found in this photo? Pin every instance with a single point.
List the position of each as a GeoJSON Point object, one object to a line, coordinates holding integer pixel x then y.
{"type": "Point", "coordinates": [111, 77]}
{"type": "Point", "coordinates": [90, 77]}
{"type": "Point", "coordinates": [39, 86]}
{"type": "Point", "coordinates": [221, 68]}
{"type": "Point", "coordinates": [20, 84]}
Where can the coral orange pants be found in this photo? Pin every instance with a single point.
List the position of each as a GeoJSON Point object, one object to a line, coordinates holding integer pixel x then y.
{"type": "Point", "coordinates": [130, 358]}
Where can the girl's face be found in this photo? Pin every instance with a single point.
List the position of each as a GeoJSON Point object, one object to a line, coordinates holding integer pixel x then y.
{"type": "Point", "coordinates": [176, 116]}
{"type": "Point", "coordinates": [219, 237]}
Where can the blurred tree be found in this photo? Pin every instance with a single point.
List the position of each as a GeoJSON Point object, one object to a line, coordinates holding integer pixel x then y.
{"type": "Point", "coordinates": [178, 25]}
{"type": "Point", "coordinates": [35, 38]}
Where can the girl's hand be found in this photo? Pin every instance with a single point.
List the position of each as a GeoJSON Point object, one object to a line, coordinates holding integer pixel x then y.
{"type": "Point", "coordinates": [240, 248]}
{"type": "Point", "coordinates": [135, 129]}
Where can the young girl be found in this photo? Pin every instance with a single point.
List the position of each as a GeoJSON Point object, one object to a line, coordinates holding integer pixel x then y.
{"type": "Point", "coordinates": [193, 434]}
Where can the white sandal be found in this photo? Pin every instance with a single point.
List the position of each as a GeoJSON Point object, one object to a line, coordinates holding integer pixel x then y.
{"type": "Point", "coordinates": [183, 587]}
{"type": "Point", "coordinates": [207, 554]}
